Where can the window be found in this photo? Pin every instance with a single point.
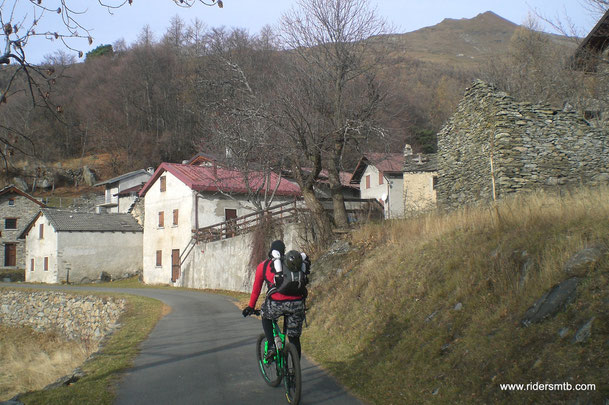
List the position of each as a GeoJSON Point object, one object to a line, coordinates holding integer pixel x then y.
{"type": "Point", "coordinates": [381, 178]}
{"type": "Point", "coordinates": [32, 265]}
{"type": "Point", "coordinates": [161, 219]}
{"type": "Point", "coordinates": [10, 223]}
{"type": "Point", "coordinates": [11, 201]}
{"type": "Point", "coordinates": [46, 264]}
{"type": "Point", "coordinates": [230, 213]}
{"type": "Point", "coordinates": [41, 231]}
{"type": "Point", "coordinates": [367, 181]}
{"type": "Point", "coordinates": [434, 182]}
{"type": "Point", "coordinates": [159, 258]}
{"type": "Point", "coordinates": [175, 217]}
{"type": "Point", "coordinates": [163, 181]}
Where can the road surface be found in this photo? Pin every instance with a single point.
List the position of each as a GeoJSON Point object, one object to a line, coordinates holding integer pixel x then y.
{"type": "Point", "coordinates": [203, 352]}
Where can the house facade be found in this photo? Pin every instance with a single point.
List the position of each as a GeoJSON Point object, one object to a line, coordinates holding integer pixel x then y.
{"type": "Point", "coordinates": [17, 209]}
{"type": "Point", "coordinates": [380, 176]}
{"type": "Point", "coordinates": [181, 198]}
{"type": "Point", "coordinates": [77, 247]}
{"type": "Point", "coordinates": [420, 180]}
{"type": "Point", "coordinates": [120, 192]}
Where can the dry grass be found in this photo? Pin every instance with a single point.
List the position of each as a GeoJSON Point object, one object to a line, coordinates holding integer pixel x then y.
{"type": "Point", "coordinates": [41, 355]}
{"type": "Point", "coordinates": [388, 327]}
{"type": "Point", "coordinates": [31, 360]}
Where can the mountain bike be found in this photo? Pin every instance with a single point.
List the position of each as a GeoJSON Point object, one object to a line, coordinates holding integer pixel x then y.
{"type": "Point", "coordinates": [284, 365]}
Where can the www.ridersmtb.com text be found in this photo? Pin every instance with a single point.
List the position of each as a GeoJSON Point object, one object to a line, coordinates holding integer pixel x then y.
{"type": "Point", "coordinates": [565, 386]}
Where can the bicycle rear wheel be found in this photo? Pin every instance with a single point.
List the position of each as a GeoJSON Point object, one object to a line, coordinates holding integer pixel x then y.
{"type": "Point", "coordinates": [269, 369]}
{"type": "Point", "coordinates": [293, 378]}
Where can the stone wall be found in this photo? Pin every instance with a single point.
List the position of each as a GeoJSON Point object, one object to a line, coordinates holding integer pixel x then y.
{"type": "Point", "coordinates": [76, 317]}
{"type": "Point", "coordinates": [24, 210]}
{"type": "Point", "coordinates": [493, 146]}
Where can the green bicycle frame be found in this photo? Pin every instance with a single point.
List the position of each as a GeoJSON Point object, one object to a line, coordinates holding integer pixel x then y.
{"type": "Point", "coordinates": [276, 332]}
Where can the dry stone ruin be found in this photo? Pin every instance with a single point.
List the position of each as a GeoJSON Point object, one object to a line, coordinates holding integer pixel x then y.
{"type": "Point", "coordinates": [494, 145]}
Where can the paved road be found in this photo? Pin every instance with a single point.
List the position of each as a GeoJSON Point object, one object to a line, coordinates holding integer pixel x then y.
{"type": "Point", "coordinates": [203, 352]}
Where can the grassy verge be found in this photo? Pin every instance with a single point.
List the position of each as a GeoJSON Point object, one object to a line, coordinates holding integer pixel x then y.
{"type": "Point", "coordinates": [428, 310]}
{"type": "Point", "coordinates": [103, 368]}
{"type": "Point", "coordinates": [32, 360]}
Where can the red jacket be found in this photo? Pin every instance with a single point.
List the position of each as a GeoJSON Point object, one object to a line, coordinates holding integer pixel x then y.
{"type": "Point", "coordinates": [266, 274]}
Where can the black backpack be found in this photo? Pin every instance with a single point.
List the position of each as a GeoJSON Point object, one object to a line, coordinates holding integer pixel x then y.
{"type": "Point", "coordinates": [292, 280]}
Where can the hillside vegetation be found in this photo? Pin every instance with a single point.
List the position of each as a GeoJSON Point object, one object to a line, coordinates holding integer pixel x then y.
{"type": "Point", "coordinates": [157, 100]}
{"type": "Point", "coordinates": [430, 309]}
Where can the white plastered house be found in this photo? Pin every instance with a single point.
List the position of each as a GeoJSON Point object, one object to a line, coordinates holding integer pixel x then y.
{"type": "Point", "coordinates": [380, 176]}
{"type": "Point", "coordinates": [77, 247]}
{"type": "Point", "coordinates": [182, 198]}
{"type": "Point", "coordinates": [121, 191]}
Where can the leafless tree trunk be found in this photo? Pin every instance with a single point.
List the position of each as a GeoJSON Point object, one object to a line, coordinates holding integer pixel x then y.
{"type": "Point", "coordinates": [329, 40]}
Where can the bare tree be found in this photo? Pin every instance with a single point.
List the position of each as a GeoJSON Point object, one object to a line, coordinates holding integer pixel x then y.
{"type": "Point", "coordinates": [23, 20]}
{"type": "Point", "coordinates": [234, 92]}
{"type": "Point", "coordinates": [329, 41]}
{"type": "Point", "coordinates": [536, 67]}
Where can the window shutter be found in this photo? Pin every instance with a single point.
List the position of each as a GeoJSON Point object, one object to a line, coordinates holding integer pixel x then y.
{"type": "Point", "coordinates": [163, 184]}
{"type": "Point", "coordinates": [161, 219]}
{"type": "Point", "coordinates": [159, 258]}
{"type": "Point", "coordinates": [175, 217]}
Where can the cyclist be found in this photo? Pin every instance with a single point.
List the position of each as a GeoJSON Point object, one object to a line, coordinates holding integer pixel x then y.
{"type": "Point", "coordinates": [277, 304]}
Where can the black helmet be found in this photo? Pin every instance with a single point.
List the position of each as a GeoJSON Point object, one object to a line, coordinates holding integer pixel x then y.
{"type": "Point", "coordinates": [278, 246]}
{"type": "Point", "coordinates": [293, 260]}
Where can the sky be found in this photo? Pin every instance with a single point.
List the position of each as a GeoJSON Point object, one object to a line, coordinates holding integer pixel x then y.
{"type": "Point", "coordinates": [404, 15]}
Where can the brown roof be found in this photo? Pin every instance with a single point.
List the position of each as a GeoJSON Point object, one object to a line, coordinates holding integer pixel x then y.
{"type": "Point", "coordinates": [391, 164]}
{"type": "Point", "coordinates": [12, 189]}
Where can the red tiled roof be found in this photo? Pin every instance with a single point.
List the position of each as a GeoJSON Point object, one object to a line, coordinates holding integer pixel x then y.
{"type": "Point", "coordinates": [387, 163]}
{"type": "Point", "coordinates": [214, 179]}
{"type": "Point", "coordinates": [345, 177]}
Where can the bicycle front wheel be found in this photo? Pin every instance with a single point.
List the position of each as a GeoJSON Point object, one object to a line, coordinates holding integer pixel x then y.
{"type": "Point", "coordinates": [268, 368]}
{"type": "Point", "coordinates": [293, 378]}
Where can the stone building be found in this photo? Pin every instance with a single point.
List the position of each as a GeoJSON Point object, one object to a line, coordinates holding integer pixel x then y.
{"type": "Point", "coordinates": [493, 146]}
{"type": "Point", "coordinates": [17, 209]}
{"type": "Point", "coordinates": [420, 180]}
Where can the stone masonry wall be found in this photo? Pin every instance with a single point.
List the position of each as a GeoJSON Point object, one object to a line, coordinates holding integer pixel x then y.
{"type": "Point", "coordinates": [24, 210]}
{"type": "Point", "coordinates": [518, 146]}
{"type": "Point", "coordinates": [76, 317]}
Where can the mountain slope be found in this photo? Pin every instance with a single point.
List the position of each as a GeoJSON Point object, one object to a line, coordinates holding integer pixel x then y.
{"type": "Point", "coordinates": [465, 42]}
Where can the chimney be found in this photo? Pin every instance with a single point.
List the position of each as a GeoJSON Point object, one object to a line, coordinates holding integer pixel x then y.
{"type": "Point", "coordinates": [150, 170]}
{"type": "Point", "coordinates": [407, 150]}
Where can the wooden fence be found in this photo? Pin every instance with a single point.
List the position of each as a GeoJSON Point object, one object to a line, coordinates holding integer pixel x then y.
{"type": "Point", "coordinates": [283, 213]}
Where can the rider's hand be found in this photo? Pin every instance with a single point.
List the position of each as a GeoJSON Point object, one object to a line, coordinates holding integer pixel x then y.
{"type": "Point", "coordinates": [247, 311]}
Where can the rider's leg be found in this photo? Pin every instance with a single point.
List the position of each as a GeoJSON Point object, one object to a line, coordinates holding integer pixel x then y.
{"type": "Point", "coordinates": [295, 340]}
{"type": "Point", "coordinates": [267, 326]}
